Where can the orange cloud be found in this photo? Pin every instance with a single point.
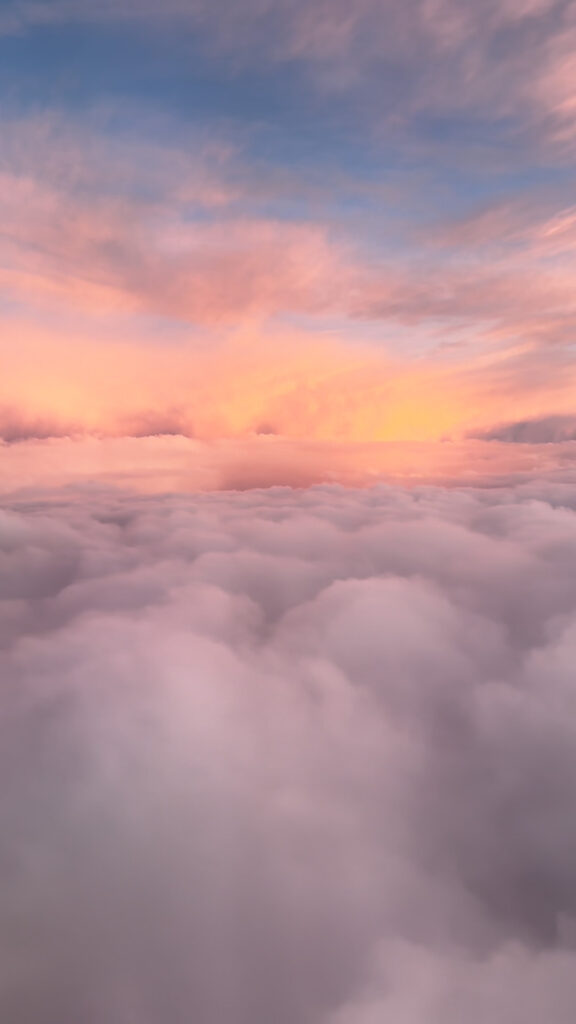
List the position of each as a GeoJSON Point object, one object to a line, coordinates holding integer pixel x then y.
{"type": "Point", "coordinates": [97, 266]}
{"type": "Point", "coordinates": [293, 384]}
{"type": "Point", "coordinates": [297, 385]}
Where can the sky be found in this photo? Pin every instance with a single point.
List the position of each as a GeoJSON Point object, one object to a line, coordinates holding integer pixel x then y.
{"type": "Point", "coordinates": [287, 511]}
{"type": "Point", "coordinates": [310, 220]}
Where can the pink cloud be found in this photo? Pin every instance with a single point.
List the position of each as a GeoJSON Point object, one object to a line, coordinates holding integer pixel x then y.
{"type": "Point", "coordinates": [537, 228]}
{"type": "Point", "coordinates": [73, 245]}
{"type": "Point", "coordinates": [97, 250]}
{"type": "Point", "coordinates": [170, 464]}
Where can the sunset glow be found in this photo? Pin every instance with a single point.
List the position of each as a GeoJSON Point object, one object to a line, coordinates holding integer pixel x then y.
{"type": "Point", "coordinates": [203, 269]}
{"type": "Point", "coordinates": [287, 511]}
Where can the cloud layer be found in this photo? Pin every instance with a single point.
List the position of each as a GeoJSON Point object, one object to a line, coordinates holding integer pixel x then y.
{"type": "Point", "coordinates": [303, 757]}
{"type": "Point", "coordinates": [160, 464]}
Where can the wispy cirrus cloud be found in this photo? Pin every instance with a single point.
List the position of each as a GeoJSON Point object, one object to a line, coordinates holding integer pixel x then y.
{"type": "Point", "coordinates": [115, 223]}
{"type": "Point", "coordinates": [175, 240]}
{"type": "Point", "coordinates": [407, 324]}
{"type": "Point", "coordinates": [501, 61]}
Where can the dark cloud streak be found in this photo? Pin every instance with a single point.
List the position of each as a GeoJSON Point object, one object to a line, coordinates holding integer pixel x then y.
{"type": "Point", "coordinates": [543, 430]}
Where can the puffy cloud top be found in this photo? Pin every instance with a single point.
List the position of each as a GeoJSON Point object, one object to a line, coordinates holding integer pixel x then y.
{"type": "Point", "coordinates": [302, 757]}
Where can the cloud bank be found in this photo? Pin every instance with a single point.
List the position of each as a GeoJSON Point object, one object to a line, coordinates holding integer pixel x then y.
{"type": "Point", "coordinates": [303, 758]}
{"type": "Point", "coordinates": [159, 464]}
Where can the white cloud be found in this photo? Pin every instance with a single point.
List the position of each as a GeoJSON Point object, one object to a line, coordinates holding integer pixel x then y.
{"type": "Point", "coordinates": [295, 756]}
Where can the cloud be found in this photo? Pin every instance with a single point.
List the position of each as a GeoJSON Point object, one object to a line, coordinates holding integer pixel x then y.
{"type": "Point", "coordinates": [105, 254]}
{"type": "Point", "coordinates": [166, 463]}
{"type": "Point", "coordinates": [153, 320]}
{"type": "Point", "coordinates": [228, 383]}
{"type": "Point", "coordinates": [304, 757]}
{"type": "Point", "coordinates": [158, 220]}
{"type": "Point", "coordinates": [545, 430]}
{"type": "Point", "coordinates": [158, 280]}
{"type": "Point", "coordinates": [122, 227]}
{"type": "Point", "coordinates": [16, 427]}
{"type": "Point", "coordinates": [537, 226]}
{"type": "Point", "coordinates": [506, 62]}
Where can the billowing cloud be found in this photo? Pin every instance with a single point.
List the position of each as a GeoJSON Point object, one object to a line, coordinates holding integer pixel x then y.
{"type": "Point", "coordinates": [304, 757]}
